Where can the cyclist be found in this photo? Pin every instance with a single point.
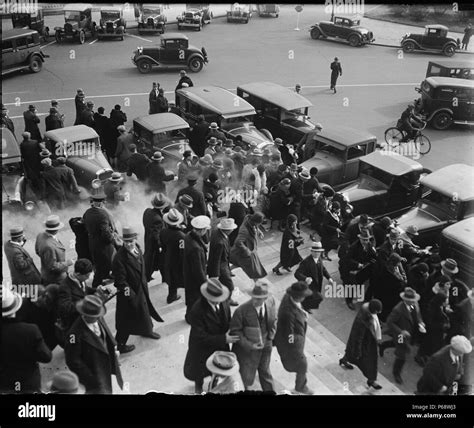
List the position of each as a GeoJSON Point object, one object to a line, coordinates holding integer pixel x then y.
{"type": "Point", "coordinates": [409, 122]}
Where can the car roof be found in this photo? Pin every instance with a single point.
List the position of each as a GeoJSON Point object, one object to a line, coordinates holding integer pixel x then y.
{"type": "Point", "coordinates": [276, 94]}
{"type": "Point", "coordinates": [161, 122]}
{"type": "Point", "coordinates": [16, 32]}
{"type": "Point", "coordinates": [452, 180]}
{"type": "Point", "coordinates": [453, 64]}
{"type": "Point", "coordinates": [462, 231]}
{"type": "Point", "coordinates": [152, 6]}
{"type": "Point", "coordinates": [345, 136]}
{"type": "Point", "coordinates": [10, 148]}
{"type": "Point", "coordinates": [77, 7]}
{"type": "Point", "coordinates": [437, 26]}
{"type": "Point", "coordinates": [218, 100]}
{"type": "Point", "coordinates": [72, 133]}
{"type": "Point", "coordinates": [111, 7]}
{"type": "Point", "coordinates": [436, 81]}
{"type": "Point", "coordinates": [393, 163]}
{"type": "Point", "coordinates": [168, 36]}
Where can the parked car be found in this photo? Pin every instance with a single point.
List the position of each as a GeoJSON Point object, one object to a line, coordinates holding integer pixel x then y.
{"type": "Point", "coordinates": [456, 69]}
{"type": "Point", "coordinates": [233, 114]}
{"type": "Point", "coordinates": [166, 132]}
{"type": "Point", "coordinates": [338, 154]}
{"type": "Point", "coordinates": [435, 39]}
{"type": "Point", "coordinates": [451, 199]}
{"type": "Point", "coordinates": [268, 10]}
{"type": "Point", "coordinates": [78, 23]}
{"type": "Point", "coordinates": [343, 28]}
{"type": "Point", "coordinates": [112, 23]}
{"type": "Point", "coordinates": [21, 50]}
{"type": "Point", "coordinates": [457, 242]}
{"type": "Point", "coordinates": [239, 13]}
{"type": "Point", "coordinates": [34, 20]}
{"type": "Point", "coordinates": [174, 50]}
{"type": "Point", "coordinates": [80, 145]}
{"type": "Point", "coordinates": [446, 100]}
{"type": "Point", "coordinates": [151, 19]}
{"type": "Point", "coordinates": [387, 184]}
{"type": "Point", "coordinates": [279, 110]}
{"type": "Point", "coordinates": [195, 15]}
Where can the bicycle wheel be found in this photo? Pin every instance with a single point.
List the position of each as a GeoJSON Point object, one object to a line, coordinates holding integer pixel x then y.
{"type": "Point", "coordinates": [393, 135]}
{"type": "Point", "coordinates": [422, 144]}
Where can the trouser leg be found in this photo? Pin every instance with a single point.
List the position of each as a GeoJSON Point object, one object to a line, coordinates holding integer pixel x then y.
{"type": "Point", "coordinates": [121, 337]}
{"type": "Point", "coordinates": [264, 374]}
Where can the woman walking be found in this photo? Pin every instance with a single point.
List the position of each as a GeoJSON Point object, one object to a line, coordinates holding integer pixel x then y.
{"type": "Point", "coordinates": [291, 239]}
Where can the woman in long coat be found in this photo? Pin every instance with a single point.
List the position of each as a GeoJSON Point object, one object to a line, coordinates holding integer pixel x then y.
{"type": "Point", "coordinates": [244, 251]}
{"type": "Point", "coordinates": [362, 345]}
{"type": "Point", "coordinates": [291, 240]}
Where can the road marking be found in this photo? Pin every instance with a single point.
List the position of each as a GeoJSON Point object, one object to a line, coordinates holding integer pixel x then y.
{"type": "Point", "coordinates": [93, 41]}
{"type": "Point", "coordinates": [50, 43]}
{"type": "Point", "coordinates": [141, 38]}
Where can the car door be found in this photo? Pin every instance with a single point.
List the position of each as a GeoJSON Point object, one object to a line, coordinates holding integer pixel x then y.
{"type": "Point", "coordinates": [9, 54]}
{"type": "Point", "coordinates": [21, 50]}
{"type": "Point", "coordinates": [432, 39]}
{"type": "Point", "coordinates": [170, 53]}
{"type": "Point", "coordinates": [462, 108]}
{"type": "Point", "coordinates": [351, 167]}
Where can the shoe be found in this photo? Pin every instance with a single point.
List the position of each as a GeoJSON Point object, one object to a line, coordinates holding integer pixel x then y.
{"type": "Point", "coordinates": [153, 335]}
{"type": "Point", "coordinates": [233, 303]}
{"type": "Point", "coordinates": [398, 378]}
{"type": "Point", "coordinates": [335, 90]}
{"type": "Point", "coordinates": [123, 349]}
{"type": "Point", "coordinates": [287, 269]}
{"type": "Point", "coordinates": [345, 364]}
{"type": "Point", "coordinates": [420, 361]}
{"type": "Point", "coordinates": [277, 272]}
{"type": "Point", "coordinates": [374, 385]}
{"type": "Point", "coordinates": [173, 299]}
{"type": "Point", "coordinates": [306, 391]}
{"type": "Point", "coordinates": [350, 305]}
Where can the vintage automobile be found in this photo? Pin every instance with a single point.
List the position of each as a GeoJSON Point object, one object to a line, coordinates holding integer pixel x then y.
{"type": "Point", "coordinates": [174, 50]}
{"type": "Point", "coordinates": [280, 110]}
{"type": "Point", "coordinates": [166, 132]}
{"type": "Point", "coordinates": [338, 154]}
{"type": "Point", "coordinates": [21, 50]}
{"type": "Point", "coordinates": [456, 69]}
{"type": "Point", "coordinates": [195, 15]}
{"type": "Point", "coordinates": [457, 242]}
{"type": "Point", "coordinates": [34, 20]}
{"type": "Point", "coordinates": [233, 114]}
{"type": "Point", "coordinates": [80, 145]}
{"type": "Point", "coordinates": [450, 199]}
{"type": "Point", "coordinates": [435, 39]}
{"type": "Point", "coordinates": [343, 28]}
{"type": "Point", "coordinates": [239, 13]}
{"type": "Point", "coordinates": [112, 23]}
{"type": "Point", "coordinates": [268, 10]}
{"type": "Point", "coordinates": [151, 19]}
{"type": "Point", "coordinates": [78, 23]}
{"type": "Point", "coordinates": [446, 100]}
{"type": "Point", "coordinates": [388, 184]}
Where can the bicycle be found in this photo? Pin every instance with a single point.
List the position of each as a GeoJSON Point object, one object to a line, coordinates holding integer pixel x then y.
{"type": "Point", "coordinates": [394, 136]}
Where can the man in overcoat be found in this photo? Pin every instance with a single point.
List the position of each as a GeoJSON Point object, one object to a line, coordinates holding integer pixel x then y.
{"type": "Point", "coordinates": [157, 176]}
{"type": "Point", "coordinates": [31, 122]}
{"type": "Point", "coordinates": [134, 308]}
{"type": "Point", "coordinates": [53, 189]}
{"type": "Point", "coordinates": [79, 101]}
{"type": "Point", "coordinates": [30, 153]}
{"type": "Point", "coordinates": [199, 203]}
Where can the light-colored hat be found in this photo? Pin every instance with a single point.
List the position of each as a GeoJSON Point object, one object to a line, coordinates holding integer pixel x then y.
{"type": "Point", "coordinates": [461, 344]}
{"type": "Point", "coordinates": [201, 222]}
{"type": "Point", "coordinates": [129, 233]}
{"type": "Point", "coordinates": [121, 128]}
{"type": "Point", "coordinates": [304, 175]}
{"type": "Point", "coordinates": [317, 246]}
{"type": "Point", "coordinates": [185, 85]}
{"type": "Point", "coordinates": [11, 301]}
{"type": "Point", "coordinates": [223, 363]}
{"type": "Point", "coordinates": [46, 161]}
{"type": "Point", "coordinates": [53, 223]}
{"type": "Point", "coordinates": [173, 217]}
{"type": "Point", "coordinates": [213, 125]}
{"type": "Point", "coordinates": [410, 295]}
{"type": "Point", "coordinates": [186, 200]}
{"type": "Point", "coordinates": [45, 153]}
{"type": "Point", "coordinates": [65, 382]}
{"type": "Point", "coordinates": [412, 229]}
{"type": "Point", "coordinates": [450, 265]}
{"type": "Point", "coordinates": [217, 164]}
{"type": "Point", "coordinates": [214, 291]}
{"type": "Point", "coordinates": [116, 177]}
{"type": "Point", "coordinates": [227, 224]}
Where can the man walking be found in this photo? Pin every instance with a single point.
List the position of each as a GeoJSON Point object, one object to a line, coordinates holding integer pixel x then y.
{"type": "Point", "coordinates": [54, 120]}
{"type": "Point", "coordinates": [122, 152]}
{"type": "Point", "coordinates": [199, 203]}
{"type": "Point", "coordinates": [52, 187]}
{"type": "Point", "coordinates": [153, 99]}
{"type": "Point", "coordinates": [31, 122]}
{"type": "Point", "coordinates": [157, 176]}
{"type": "Point", "coordinates": [336, 71]}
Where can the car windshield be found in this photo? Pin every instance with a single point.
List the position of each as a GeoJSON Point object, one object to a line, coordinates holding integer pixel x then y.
{"type": "Point", "coordinates": [110, 15]}
{"type": "Point", "coordinates": [149, 12]}
{"type": "Point", "coordinates": [327, 148]}
{"type": "Point", "coordinates": [72, 15]}
{"type": "Point", "coordinates": [373, 174]}
{"type": "Point", "coordinates": [233, 120]}
{"type": "Point", "coordinates": [296, 118]}
{"type": "Point", "coordinates": [435, 202]}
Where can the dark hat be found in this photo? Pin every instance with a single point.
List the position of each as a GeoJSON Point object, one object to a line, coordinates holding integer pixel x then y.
{"type": "Point", "coordinates": [291, 219]}
{"type": "Point", "coordinates": [328, 192]}
{"type": "Point", "coordinates": [213, 177]}
{"type": "Point", "coordinates": [160, 201]}
{"type": "Point", "coordinates": [450, 265]}
{"type": "Point", "coordinates": [299, 289]}
{"type": "Point", "coordinates": [129, 233]}
{"type": "Point", "coordinates": [212, 141]}
{"type": "Point", "coordinates": [187, 153]}
{"type": "Point", "coordinates": [443, 280]}
{"type": "Point", "coordinates": [375, 305]}
{"type": "Point", "coordinates": [53, 223]}
{"type": "Point", "coordinates": [31, 107]}
{"type": "Point", "coordinates": [410, 295]}
{"type": "Point", "coordinates": [421, 267]}
{"type": "Point", "coordinates": [186, 200]}
{"type": "Point", "coordinates": [434, 259]}
{"type": "Point", "coordinates": [394, 258]}
{"type": "Point", "coordinates": [91, 306]}
{"type": "Point", "coordinates": [157, 156]}
{"type": "Point", "coordinates": [386, 222]}
{"type": "Point", "coordinates": [89, 103]}
{"type": "Point", "coordinates": [4, 107]}
{"type": "Point", "coordinates": [364, 220]}
{"type": "Point", "coordinates": [214, 291]}
{"type": "Point", "coordinates": [61, 160]}
{"type": "Point", "coordinates": [313, 170]}
{"type": "Point", "coordinates": [256, 218]}
{"type": "Point", "coordinates": [116, 177]}
{"type": "Point", "coordinates": [335, 205]}
{"type": "Point", "coordinates": [65, 382]}
{"type": "Point", "coordinates": [192, 178]}
{"type": "Point", "coordinates": [229, 143]}
{"type": "Point", "coordinates": [16, 232]}
{"type": "Point", "coordinates": [53, 110]}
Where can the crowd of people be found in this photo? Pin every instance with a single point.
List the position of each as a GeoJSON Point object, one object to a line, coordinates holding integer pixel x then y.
{"type": "Point", "coordinates": [227, 192]}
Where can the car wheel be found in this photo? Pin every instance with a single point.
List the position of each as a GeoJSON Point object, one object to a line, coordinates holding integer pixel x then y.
{"type": "Point", "coordinates": [315, 33]}
{"type": "Point", "coordinates": [144, 66]}
{"type": "Point", "coordinates": [195, 65]}
{"type": "Point", "coordinates": [442, 120]}
{"type": "Point", "coordinates": [58, 36]}
{"type": "Point", "coordinates": [408, 47]}
{"type": "Point", "coordinates": [82, 37]}
{"type": "Point", "coordinates": [35, 64]}
{"type": "Point", "coordinates": [449, 50]}
{"type": "Point", "coordinates": [354, 40]}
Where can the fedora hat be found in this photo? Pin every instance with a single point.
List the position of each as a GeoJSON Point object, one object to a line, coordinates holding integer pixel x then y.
{"type": "Point", "coordinates": [16, 232]}
{"type": "Point", "coordinates": [217, 164]}
{"type": "Point", "coordinates": [260, 291]}
{"type": "Point", "coordinates": [229, 143]}
{"type": "Point", "coordinates": [364, 220]}
{"type": "Point", "coordinates": [410, 295]}
{"type": "Point", "coordinates": [450, 265]}
{"type": "Point", "coordinates": [256, 152]}
{"type": "Point", "coordinates": [461, 344]}
{"type": "Point", "coordinates": [214, 291]}
{"type": "Point", "coordinates": [128, 233]}
{"type": "Point", "coordinates": [223, 363]}
{"type": "Point", "coordinates": [160, 201]}
{"type": "Point", "coordinates": [212, 141]}
{"type": "Point", "coordinates": [173, 217]}
{"type": "Point", "coordinates": [364, 234]}
{"type": "Point", "coordinates": [91, 306]}
{"type": "Point", "coordinates": [201, 222]}
{"type": "Point", "coordinates": [45, 153]}
{"type": "Point", "coordinates": [116, 177]}
{"type": "Point", "coordinates": [227, 224]}
{"type": "Point", "coordinates": [11, 301]}
{"type": "Point", "coordinates": [65, 382]}
{"type": "Point", "coordinates": [304, 175]}
{"type": "Point", "coordinates": [278, 141]}
{"type": "Point", "coordinates": [53, 223]}
{"type": "Point", "coordinates": [186, 200]}
{"type": "Point", "coordinates": [299, 289]}
{"type": "Point", "coordinates": [157, 156]}
{"type": "Point", "coordinates": [98, 195]}
{"type": "Point", "coordinates": [328, 192]}
{"type": "Point", "coordinates": [213, 125]}
{"type": "Point", "coordinates": [121, 128]}
{"type": "Point", "coordinates": [317, 246]}
{"type": "Point", "coordinates": [413, 230]}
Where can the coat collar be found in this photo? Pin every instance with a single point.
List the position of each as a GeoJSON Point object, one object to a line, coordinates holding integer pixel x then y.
{"type": "Point", "coordinates": [92, 339]}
